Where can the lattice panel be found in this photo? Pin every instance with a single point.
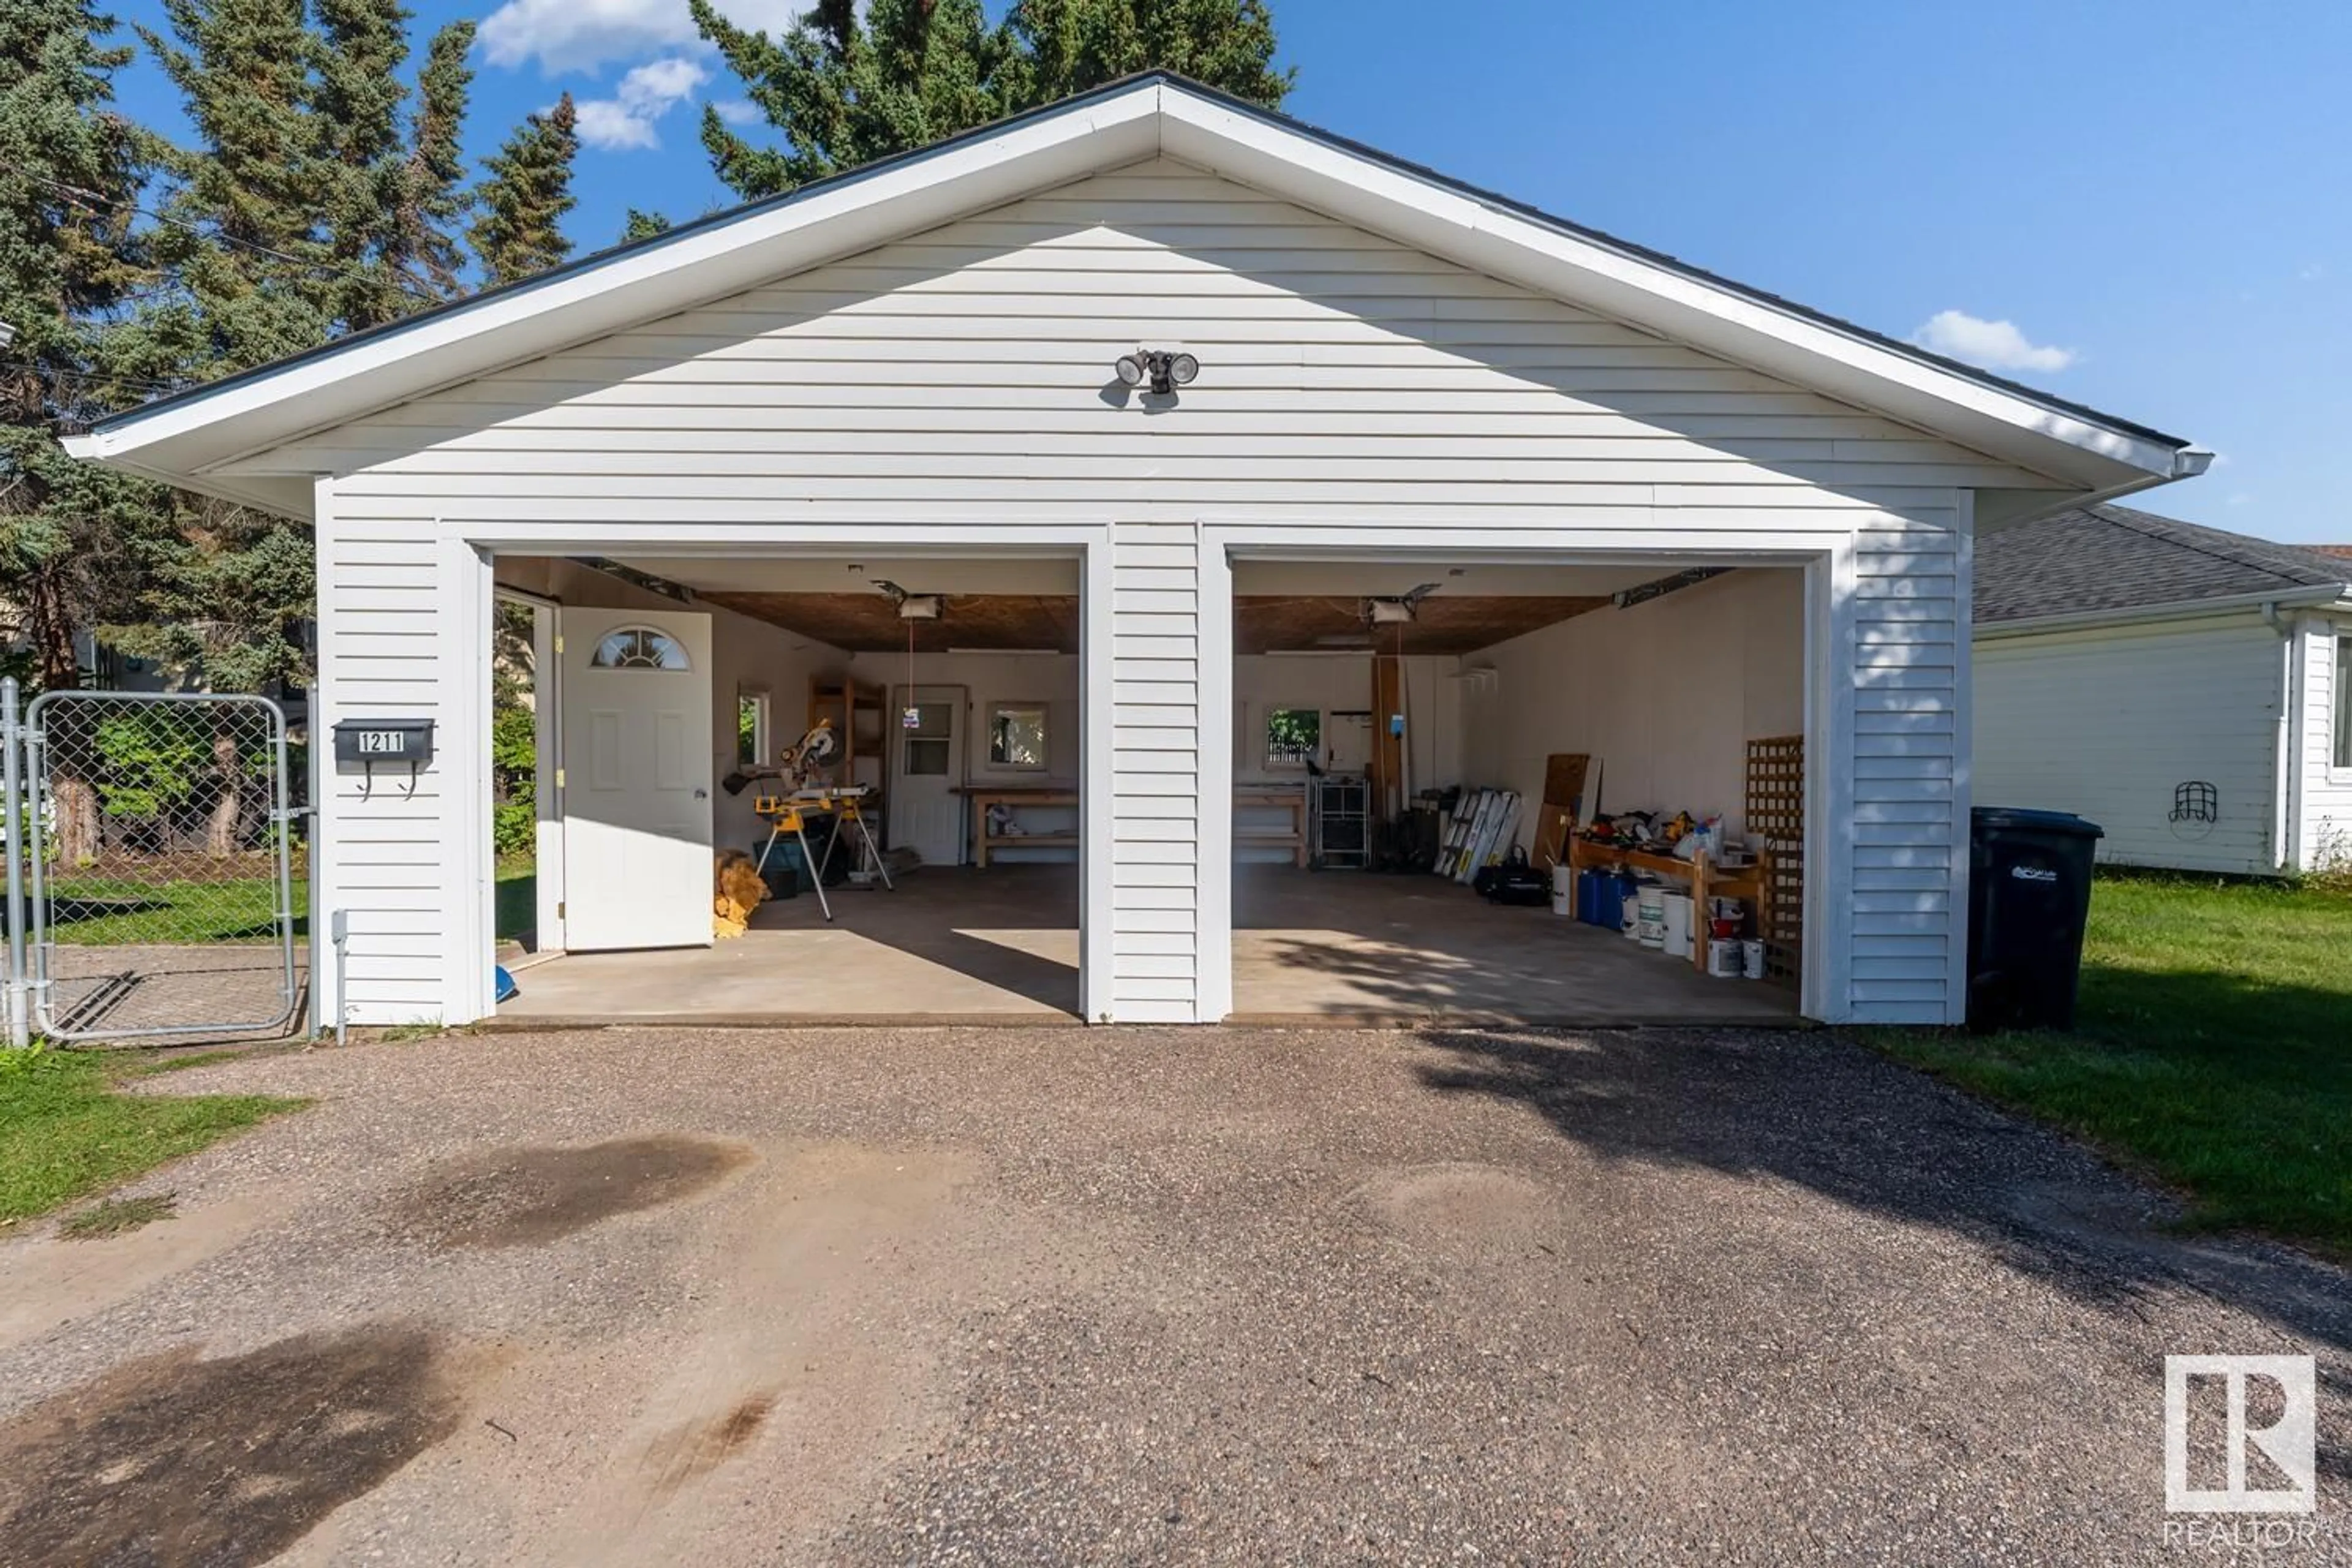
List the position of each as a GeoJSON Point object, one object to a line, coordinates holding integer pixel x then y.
{"type": "Point", "coordinates": [1776, 814]}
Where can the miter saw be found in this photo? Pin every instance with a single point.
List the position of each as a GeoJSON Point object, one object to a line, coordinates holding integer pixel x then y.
{"type": "Point", "coordinates": [800, 768]}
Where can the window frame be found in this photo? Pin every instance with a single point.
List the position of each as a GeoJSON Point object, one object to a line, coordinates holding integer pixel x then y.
{"type": "Point", "coordinates": [1314, 752]}
{"type": "Point", "coordinates": [684, 666]}
{"type": "Point", "coordinates": [2339, 740]}
{"type": "Point", "coordinates": [764, 728]}
{"type": "Point", "coordinates": [1044, 711]}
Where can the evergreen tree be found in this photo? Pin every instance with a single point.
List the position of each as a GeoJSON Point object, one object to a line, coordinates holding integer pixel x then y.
{"type": "Point", "coordinates": [432, 199]}
{"type": "Point", "coordinates": [850, 83]}
{"type": "Point", "coordinates": [245, 244]}
{"type": "Point", "coordinates": [523, 201]}
{"type": "Point", "coordinates": [354, 116]}
{"type": "Point", "coordinates": [643, 226]}
{"type": "Point", "coordinates": [72, 262]}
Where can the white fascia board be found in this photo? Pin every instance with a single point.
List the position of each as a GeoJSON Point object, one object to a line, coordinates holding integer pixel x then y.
{"type": "Point", "coordinates": [700, 265]}
{"type": "Point", "coordinates": [2176, 610]}
{"type": "Point", "coordinates": [1639, 291]}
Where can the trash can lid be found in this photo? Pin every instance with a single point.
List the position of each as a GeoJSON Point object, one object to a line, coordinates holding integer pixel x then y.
{"type": "Point", "coordinates": [2040, 821]}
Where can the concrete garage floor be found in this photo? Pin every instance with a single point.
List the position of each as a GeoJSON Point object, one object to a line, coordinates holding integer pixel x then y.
{"type": "Point", "coordinates": [936, 1296]}
{"type": "Point", "coordinates": [1002, 945]}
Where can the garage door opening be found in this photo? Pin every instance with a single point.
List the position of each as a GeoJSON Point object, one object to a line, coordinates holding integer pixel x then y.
{"type": "Point", "coordinates": [1397, 727]}
{"type": "Point", "coordinates": [764, 788]}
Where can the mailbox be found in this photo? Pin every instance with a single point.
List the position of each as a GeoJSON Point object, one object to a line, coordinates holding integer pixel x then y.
{"type": "Point", "coordinates": [368, 741]}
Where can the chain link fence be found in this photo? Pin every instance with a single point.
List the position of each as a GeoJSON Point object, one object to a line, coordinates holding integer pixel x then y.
{"type": "Point", "coordinates": [159, 854]}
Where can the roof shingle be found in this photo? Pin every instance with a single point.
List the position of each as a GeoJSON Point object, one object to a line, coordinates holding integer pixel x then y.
{"type": "Point", "coordinates": [2113, 558]}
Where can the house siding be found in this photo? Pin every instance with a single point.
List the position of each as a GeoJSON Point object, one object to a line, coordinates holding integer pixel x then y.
{"type": "Point", "coordinates": [2108, 722]}
{"type": "Point", "coordinates": [2324, 831]}
{"type": "Point", "coordinates": [1350, 384]}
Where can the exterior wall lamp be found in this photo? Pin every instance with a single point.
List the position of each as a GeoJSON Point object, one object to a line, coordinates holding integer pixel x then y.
{"type": "Point", "coordinates": [1164, 370]}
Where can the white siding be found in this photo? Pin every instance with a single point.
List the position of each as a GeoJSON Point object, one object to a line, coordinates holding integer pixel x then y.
{"type": "Point", "coordinates": [963, 376]}
{"type": "Point", "coordinates": [2107, 723]}
{"type": "Point", "coordinates": [2324, 835]}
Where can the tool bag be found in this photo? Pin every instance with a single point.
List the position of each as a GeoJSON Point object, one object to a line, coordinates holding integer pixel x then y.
{"type": "Point", "coordinates": [1514, 881]}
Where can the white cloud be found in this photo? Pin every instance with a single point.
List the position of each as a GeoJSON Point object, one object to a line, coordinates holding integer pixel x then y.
{"type": "Point", "coordinates": [647, 92]}
{"type": "Point", "coordinates": [2240, 497]}
{"type": "Point", "coordinates": [738, 111]}
{"type": "Point", "coordinates": [2311, 271]}
{"type": "Point", "coordinates": [581, 35]}
{"type": "Point", "coordinates": [1996, 345]}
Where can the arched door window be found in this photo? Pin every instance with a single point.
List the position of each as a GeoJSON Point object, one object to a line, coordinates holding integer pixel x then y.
{"type": "Point", "coordinates": [640, 647]}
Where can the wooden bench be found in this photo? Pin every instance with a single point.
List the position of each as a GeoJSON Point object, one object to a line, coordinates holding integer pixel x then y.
{"type": "Point", "coordinates": [1273, 797]}
{"type": "Point", "coordinates": [982, 841]}
{"type": "Point", "coordinates": [1707, 881]}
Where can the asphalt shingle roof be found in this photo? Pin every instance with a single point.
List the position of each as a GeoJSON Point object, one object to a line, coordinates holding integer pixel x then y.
{"type": "Point", "coordinates": [2113, 558]}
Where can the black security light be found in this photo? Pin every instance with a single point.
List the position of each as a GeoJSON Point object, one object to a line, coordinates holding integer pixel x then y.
{"type": "Point", "coordinates": [1164, 370]}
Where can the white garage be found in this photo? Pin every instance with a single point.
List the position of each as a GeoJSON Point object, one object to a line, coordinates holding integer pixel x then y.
{"type": "Point", "coordinates": [1345, 378]}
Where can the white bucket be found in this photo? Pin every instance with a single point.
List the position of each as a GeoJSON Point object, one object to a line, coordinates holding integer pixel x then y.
{"type": "Point", "coordinates": [1677, 938]}
{"type": "Point", "coordinates": [1723, 957]}
{"type": "Point", "coordinates": [1564, 885]}
{"type": "Point", "coordinates": [1751, 958]}
{"type": "Point", "coordinates": [1563, 903]}
{"type": "Point", "coordinates": [1651, 917]}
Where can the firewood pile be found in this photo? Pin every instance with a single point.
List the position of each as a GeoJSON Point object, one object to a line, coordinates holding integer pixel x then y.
{"type": "Point", "coordinates": [736, 891]}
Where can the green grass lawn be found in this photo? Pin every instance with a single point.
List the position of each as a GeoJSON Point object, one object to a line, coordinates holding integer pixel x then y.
{"type": "Point", "coordinates": [66, 1131]}
{"type": "Point", "coordinates": [2213, 1049]}
{"type": "Point", "coordinates": [106, 911]}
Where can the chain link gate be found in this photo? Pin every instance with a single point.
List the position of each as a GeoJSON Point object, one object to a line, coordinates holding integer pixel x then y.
{"type": "Point", "coordinates": [158, 840]}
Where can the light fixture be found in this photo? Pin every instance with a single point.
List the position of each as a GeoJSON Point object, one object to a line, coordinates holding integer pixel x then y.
{"type": "Point", "coordinates": [1164, 370]}
{"type": "Point", "coordinates": [919, 607]}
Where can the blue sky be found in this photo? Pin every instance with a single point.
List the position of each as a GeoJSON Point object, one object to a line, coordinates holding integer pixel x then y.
{"type": "Point", "coordinates": [2141, 204]}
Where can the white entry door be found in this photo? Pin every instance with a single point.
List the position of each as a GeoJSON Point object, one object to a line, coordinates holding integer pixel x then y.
{"type": "Point", "coordinates": [927, 768]}
{"type": "Point", "coordinates": [637, 779]}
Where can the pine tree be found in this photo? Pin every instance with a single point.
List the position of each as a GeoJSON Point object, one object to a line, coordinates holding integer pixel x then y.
{"type": "Point", "coordinates": [72, 259]}
{"type": "Point", "coordinates": [246, 244]}
{"type": "Point", "coordinates": [355, 116]}
{"type": "Point", "coordinates": [643, 226]}
{"type": "Point", "coordinates": [523, 201]}
{"type": "Point", "coordinates": [849, 83]}
{"type": "Point", "coordinates": [432, 200]}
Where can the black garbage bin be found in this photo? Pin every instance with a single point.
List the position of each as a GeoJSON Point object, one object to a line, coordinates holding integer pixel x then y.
{"type": "Point", "coordinates": [2028, 896]}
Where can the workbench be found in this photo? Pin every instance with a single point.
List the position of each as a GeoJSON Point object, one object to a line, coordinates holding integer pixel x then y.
{"type": "Point", "coordinates": [983, 796]}
{"type": "Point", "coordinates": [1273, 797]}
{"type": "Point", "coordinates": [1707, 880]}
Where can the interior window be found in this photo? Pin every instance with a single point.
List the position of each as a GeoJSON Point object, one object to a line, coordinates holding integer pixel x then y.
{"type": "Point", "coordinates": [1016, 735]}
{"type": "Point", "coordinates": [1294, 736]}
{"type": "Point", "coordinates": [2344, 700]}
{"type": "Point", "coordinates": [750, 727]}
{"type": "Point", "coordinates": [638, 648]}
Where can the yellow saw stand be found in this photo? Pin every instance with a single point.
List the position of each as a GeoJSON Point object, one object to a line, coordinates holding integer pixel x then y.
{"type": "Point", "coordinates": [786, 814]}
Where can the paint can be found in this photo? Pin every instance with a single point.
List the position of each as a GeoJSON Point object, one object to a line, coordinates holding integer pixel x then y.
{"type": "Point", "coordinates": [1650, 915]}
{"type": "Point", "coordinates": [1677, 940]}
{"type": "Point", "coordinates": [1723, 958]}
{"type": "Point", "coordinates": [1751, 958]}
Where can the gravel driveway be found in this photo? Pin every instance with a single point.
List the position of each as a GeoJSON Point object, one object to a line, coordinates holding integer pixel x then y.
{"type": "Point", "coordinates": [1128, 1296]}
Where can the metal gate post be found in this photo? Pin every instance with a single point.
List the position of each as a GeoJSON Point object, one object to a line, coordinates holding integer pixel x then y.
{"type": "Point", "coordinates": [12, 779]}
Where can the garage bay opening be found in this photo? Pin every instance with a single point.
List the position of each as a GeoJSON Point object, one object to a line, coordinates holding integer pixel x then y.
{"type": "Point", "coordinates": [793, 786]}
{"type": "Point", "coordinates": [1511, 792]}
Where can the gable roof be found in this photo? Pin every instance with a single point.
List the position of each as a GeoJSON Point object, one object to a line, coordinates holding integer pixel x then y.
{"type": "Point", "coordinates": [179, 438]}
{"type": "Point", "coordinates": [2093, 559]}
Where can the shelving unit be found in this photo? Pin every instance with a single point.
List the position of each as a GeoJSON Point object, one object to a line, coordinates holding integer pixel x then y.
{"type": "Point", "coordinates": [861, 716]}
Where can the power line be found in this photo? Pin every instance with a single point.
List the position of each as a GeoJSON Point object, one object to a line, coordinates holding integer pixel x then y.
{"type": "Point", "coordinates": [415, 289]}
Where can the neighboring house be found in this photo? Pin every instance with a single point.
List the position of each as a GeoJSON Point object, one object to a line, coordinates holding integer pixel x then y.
{"type": "Point", "coordinates": [1427, 420]}
{"type": "Point", "coordinates": [2188, 689]}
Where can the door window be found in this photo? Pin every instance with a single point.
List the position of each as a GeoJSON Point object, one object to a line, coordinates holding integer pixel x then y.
{"type": "Point", "coordinates": [928, 742]}
{"type": "Point", "coordinates": [640, 647]}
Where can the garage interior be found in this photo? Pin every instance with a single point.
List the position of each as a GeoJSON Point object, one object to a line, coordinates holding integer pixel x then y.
{"type": "Point", "coordinates": [1591, 714]}
{"type": "Point", "coordinates": [1364, 695]}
